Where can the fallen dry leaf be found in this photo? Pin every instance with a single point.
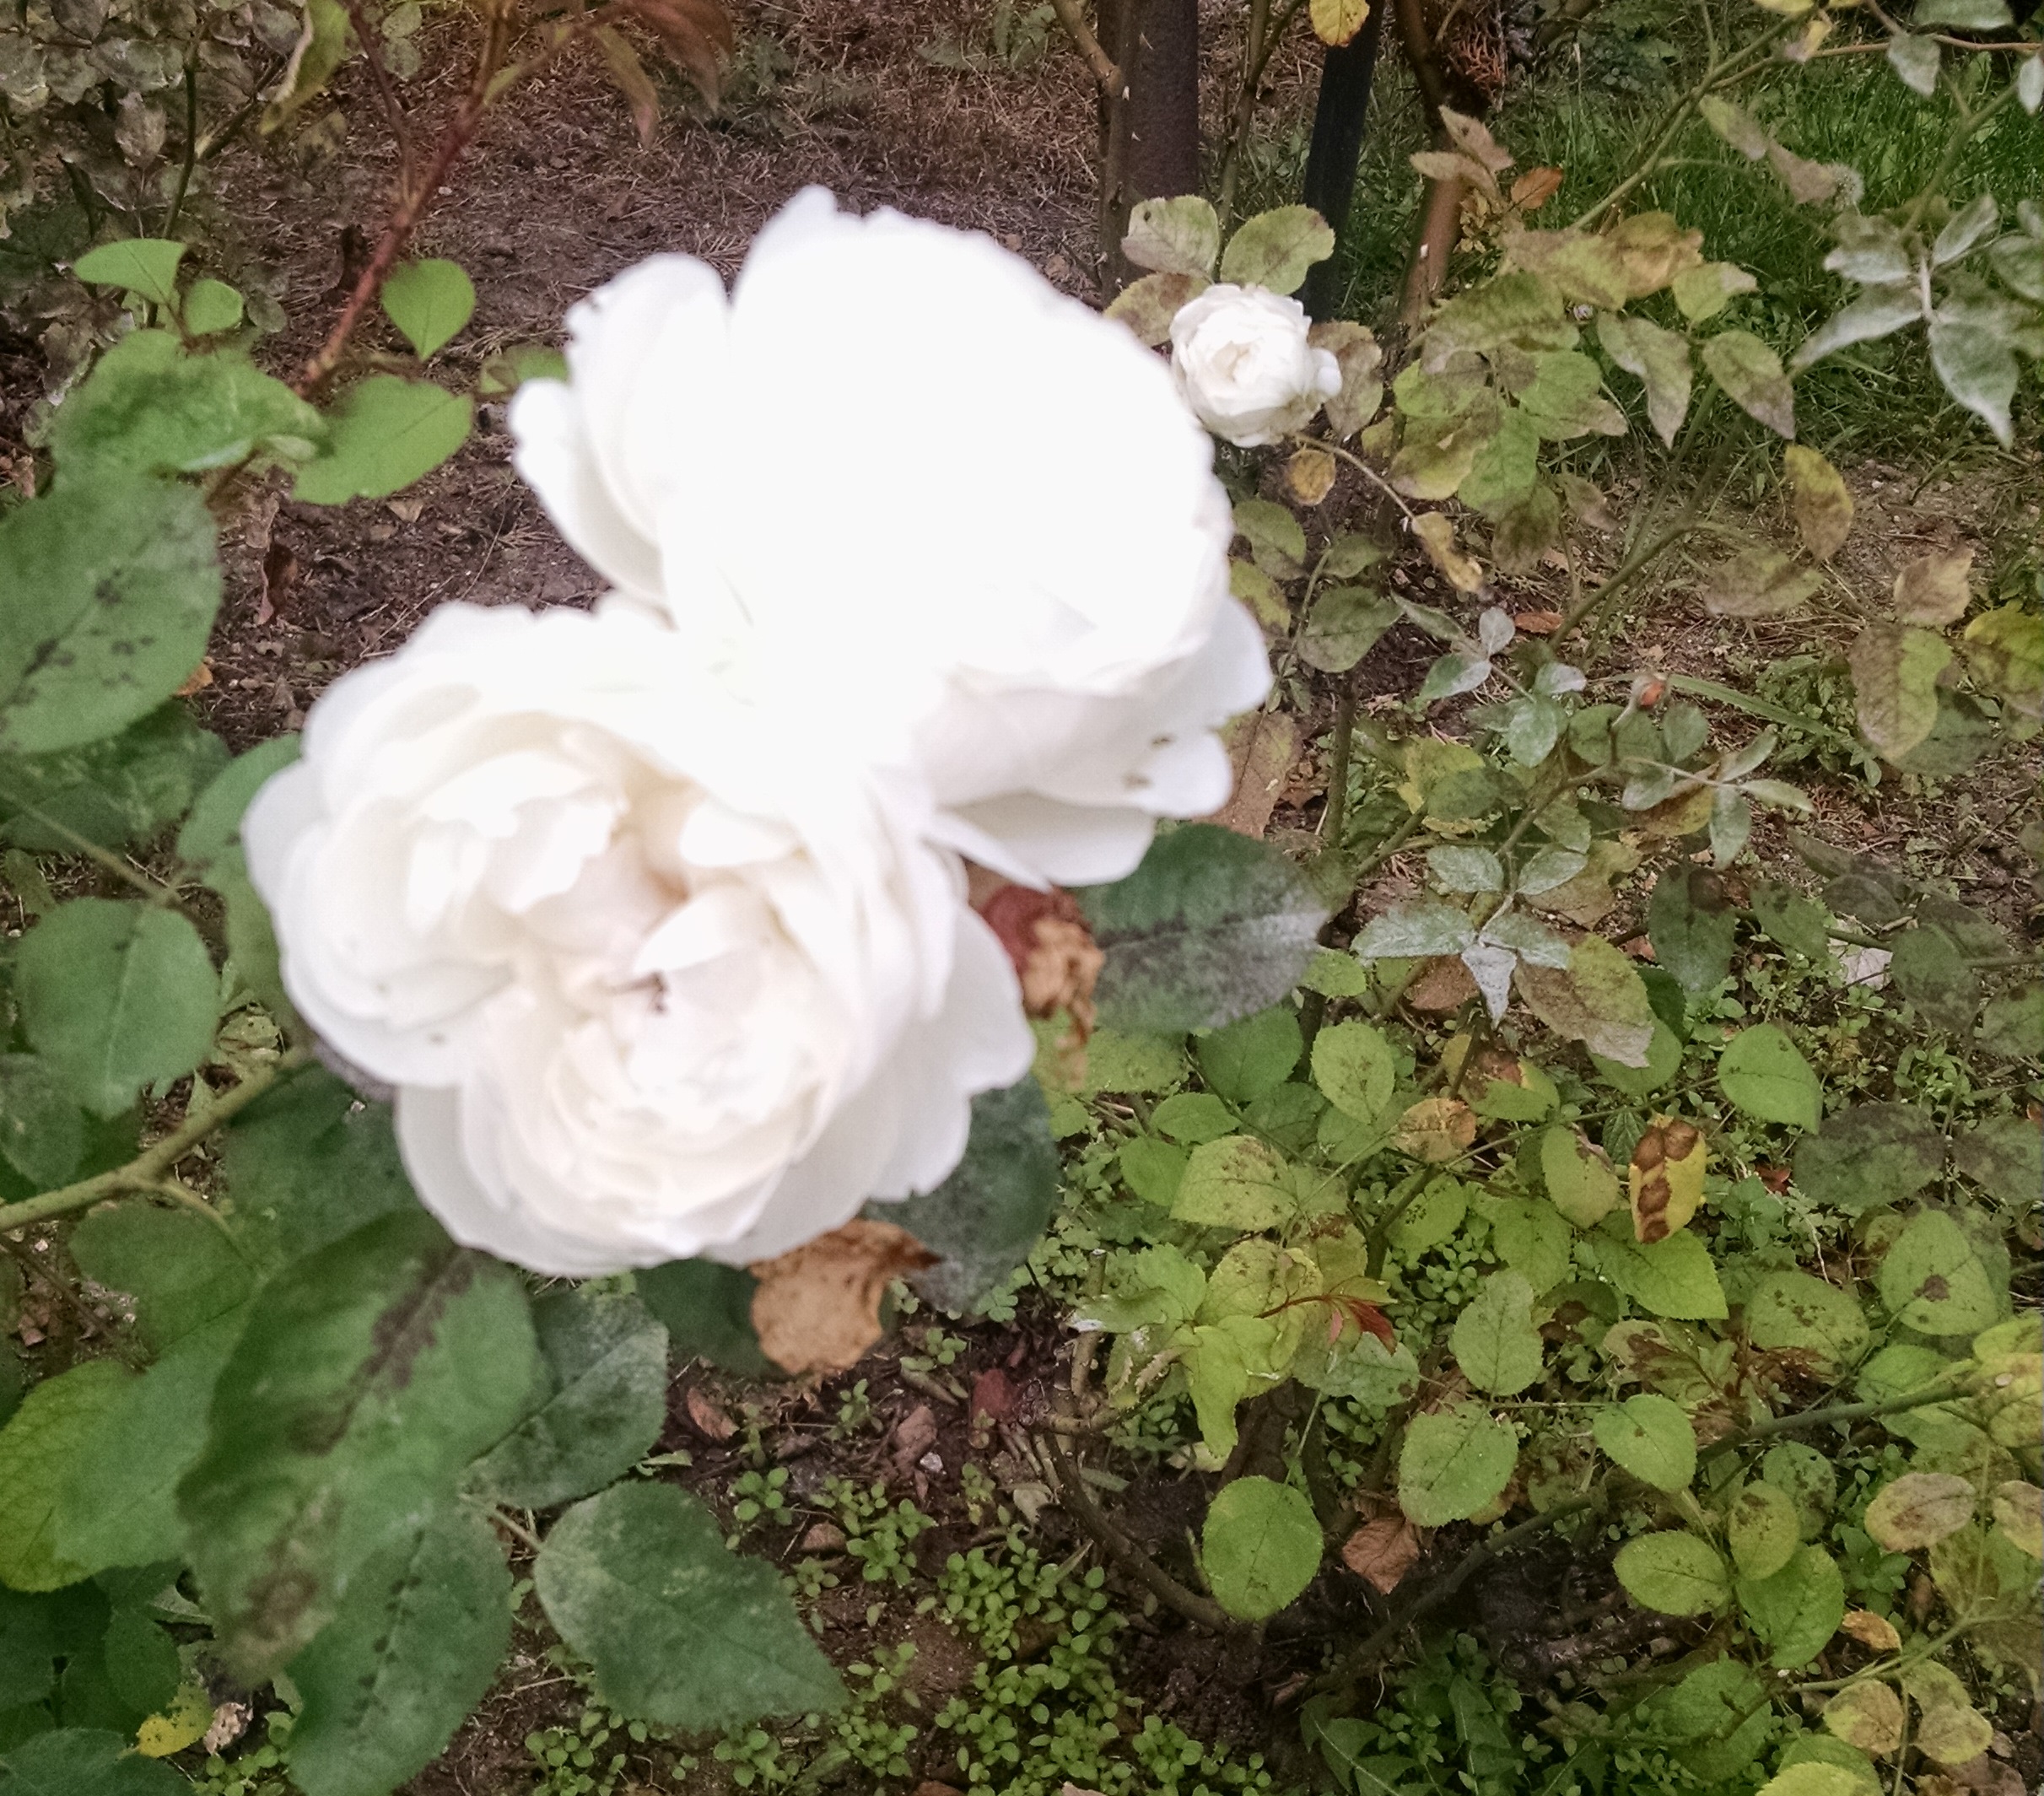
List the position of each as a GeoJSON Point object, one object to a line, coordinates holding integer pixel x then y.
{"type": "Point", "coordinates": [1445, 985]}
{"type": "Point", "coordinates": [1382, 1551]}
{"type": "Point", "coordinates": [817, 1307]}
{"type": "Point", "coordinates": [1535, 187]}
{"type": "Point", "coordinates": [915, 1435]}
{"type": "Point", "coordinates": [710, 1421]}
{"type": "Point", "coordinates": [823, 1537]}
{"type": "Point", "coordinates": [1263, 747]}
{"type": "Point", "coordinates": [196, 680]}
{"type": "Point", "coordinates": [1871, 1630]}
{"type": "Point", "coordinates": [1537, 622]}
{"type": "Point", "coordinates": [992, 1395]}
{"type": "Point", "coordinates": [1051, 949]}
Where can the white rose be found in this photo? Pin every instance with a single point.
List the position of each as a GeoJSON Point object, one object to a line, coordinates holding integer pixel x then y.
{"type": "Point", "coordinates": [1245, 365]}
{"type": "Point", "coordinates": [653, 978]}
{"type": "Point", "coordinates": [895, 462]}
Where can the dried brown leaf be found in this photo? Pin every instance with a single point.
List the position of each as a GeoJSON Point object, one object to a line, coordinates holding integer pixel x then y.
{"type": "Point", "coordinates": [817, 1307]}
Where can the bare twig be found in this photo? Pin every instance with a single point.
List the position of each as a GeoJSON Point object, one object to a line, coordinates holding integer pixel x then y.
{"type": "Point", "coordinates": [1102, 65]}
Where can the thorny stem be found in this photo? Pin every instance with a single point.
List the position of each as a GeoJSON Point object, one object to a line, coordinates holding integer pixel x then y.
{"type": "Point", "coordinates": [147, 1170]}
{"type": "Point", "coordinates": [1079, 1503]}
{"type": "Point", "coordinates": [192, 145]}
{"type": "Point", "coordinates": [1261, 47]}
{"type": "Point", "coordinates": [386, 91]}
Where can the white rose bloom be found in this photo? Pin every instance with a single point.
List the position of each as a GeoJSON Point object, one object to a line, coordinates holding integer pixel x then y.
{"type": "Point", "coordinates": [652, 976]}
{"type": "Point", "coordinates": [1242, 359]}
{"type": "Point", "coordinates": [896, 455]}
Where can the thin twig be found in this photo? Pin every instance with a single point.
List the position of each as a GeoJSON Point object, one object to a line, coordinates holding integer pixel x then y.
{"type": "Point", "coordinates": [386, 91]}
{"type": "Point", "coordinates": [147, 1170]}
{"type": "Point", "coordinates": [1079, 1503]}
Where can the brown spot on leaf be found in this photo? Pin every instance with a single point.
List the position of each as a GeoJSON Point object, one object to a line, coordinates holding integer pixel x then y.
{"type": "Point", "coordinates": [817, 1308]}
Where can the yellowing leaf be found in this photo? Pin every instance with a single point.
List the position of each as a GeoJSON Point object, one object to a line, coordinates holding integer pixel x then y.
{"type": "Point", "coordinates": [183, 1723]}
{"type": "Point", "coordinates": [1665, 1178]}
{"type": "Point", "coordinates": [1933, 588]}
{"type": "Point", "coordinates": [1309, 475]}
{"type": "Point", "coordinates": [1823, 508]}
{"type": "Point", "coordinates": [1436, 1128]}
{"type": "Point", "coordinates": [1437, 536]}
{"type": "Point", "coordinates": [1336, 21]}
{"type": "Point", "coordinates": [1871, 1630]}
{"type": "Point", "coordinates": [1868, 1715]}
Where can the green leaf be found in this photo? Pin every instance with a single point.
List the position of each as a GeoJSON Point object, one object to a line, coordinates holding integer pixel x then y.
{"type": "Point", "coordinates": [309, 1163]}
{"type": "Point", "coordinates": [1973, 351]}
{"type": "Point", "coordinates": [1798, 1609]}
{"type": "Point", "coordinates": [117, 792]}
{"type": "Point", "coordinates": [1702, 293]}
{"type": "Point", "coordinates": [1870, 1155]}
{"type": "Point", "coordinates": [607, 1362]}
{"type": "Point", "coordinates": [1931, 1278]}
{"type": "Point", "coordinates": [1792, 921]}
{"type": "Point", "coordinates": [144, 264]}
{"type": "Point", "coordinates": [1414, 932]}
{"type": "Point", "coordinates": [1814, 1777]}
{"type": "Point", "coordinates": [1751, 374]}
{"type": "Point", "coordinates": [38, 1448]}
{"type": "Point", "coordinates": [430, 302]}
{"type": "Point", "coordinates": [1436, 1215]}
{"type": "Point", "coordinates": [1663, 1062]}
{"type": "Point", "coordinates": [1720, 1716]}
{"type": "Point", "coordinates": [84, 1761]}
{"type": "Point", "coordinates": [1212, 926]}
{"type": "Point", "coordinates": [1657, 357]}
{"type": "Point", "coordinates": [1928, 969]}
{"type": "Point", "coordinates": [1494, 1342]}
{"type": "Point", "coordinates": [182, 1272]}
{"type": "Point", "coordinates": [119, 1503]}
{"type": "Point", "coordinates": [1672, 1573]}
{"type": "Point", "coordinates": [1275, 248]}
{"type": "Point", "coordinates": [1651, 1437]}
{"type": "Point", "coordinates": [1256, 1055]}
{"type": "Point", "coordinates": [1146, 305]}
{"type": "Point", "coordinates": [1692, 925]}
{"type": "Point", "coordinates": [1353, 1065]}
{"type": "Point", "coordinates": [1334, 975]}
{"type": "Point", "coordinates": [1763, 1073]}
{"type": "Point", "coordinates": [325, 40]}
{"type": "Point", "coordinates": [27, 1649]}
{"type": "Point", "coordinates": [1532, 1239]}
{"type": "Point", "coordinates": [1794, 1314]}
{"type": "Point", "coordinates": [142, 1664]}
{"type": "Point", "coordinates": [370, 1373]}
{"type": "Point", "coordinates": [1453, 1463]}
{"type": "Point", "coordinates": [1598, 1000]}
{"type": "Point", "coordinates": [413, 1649]}
{"type": "Point", "coordinates": [116, 995]}
{"type": "Point", "coordinates": [1344, 626]}
{"type": "Point", "coordinates": [1236, 1182]}
{"type": "Point", "coordinates": [2012, 1027]}
{"type": "Point", "coordinates": [1807, 1477]}
{"type": "Point", "coordinates": [1895, 680]}
{"type": "Point", "coordinates": [1192, 1118]}
{"type": "Point", "coordinates": [1463, 869]}
{"type": "Point", "coordinates": [1173, 236]}
{"type": "Point", "coordinates": [1153, 1169]}
{"type": "Point", "coordinates": [385, 434]}
{"type": "Point", "coordinates": [1673, 1276]}
{"type": "Point", "coordinates": [708, 1311]}
{"type": "Point", "coordinates": [2004, 1156]}
{"type": "Point", "coordinates": [675, 1629]}
{"type": "Point", "coordinates": [41, 1133]}
{"type": "Point", "coordinates": [214, 828]}
{"type": "Point", "coordinates": [210, 308]}
{"type": "Point", "coordinates": [1761, 1529]}
{"type": "Point", "coordinates": [1259, 1548]}
{"type": "Point", "coordinates": [149, 407]}
{"type": "Point", "coordinates": [988, 1215]}
{"type": "Point", "coordinates": [2005, 647]}
{"type": "Point", "coordinates": [113, 584]}
{"type": "Point", "coordinates": [1579, 1177]}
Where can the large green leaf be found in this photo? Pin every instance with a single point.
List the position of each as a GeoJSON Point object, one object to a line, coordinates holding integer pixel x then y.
{"type": "Point", "coordinates": [1751, 374]}
{"type": "Point", "coordinates": [1275, 248]}
{"type": "Point", "coordinates": [385, 434]}
{"type": "Point", "coordinates": [214, 827]}
{"type": "Point", "coordinates": [1673, 1572]}
{"type": "Point", "coordinates": [1353, 1065]}
{"type": "Point", "coordinates": [41, 1133]}
{"type": "Point", "coordinates": [112, 584]}
{"type": "Point", "coordinates": [1692, 925]}
{"type": "Point", "coordinates": [412, 1650]}
{"type": "Point", "coordinates": [1761, 1529]}
{"type": "Point", "coordinates": [1869, 1155]}
{"type": "Point", "coordinates": [1236, 1182]}
{"type": "Point", "coordinates": [1494, 1342]}
{"type": "Point", "coordinates": [1259, 1548]}
{"type": "Point", "coordinates": [1895, 680]}
{"type": "Point", "coordinates": [1801, 1316]}
{"type": "Point", "coordinates": [84, 1761]}
{"type": "Point", "coordinates": [38, 1448]}
{"type": "Point", "coordinates": [1673, 1277]}
{"type": "Point", "coordinates": [607, 1361]}
{"type": "Point", "coordinates": [1453, 1463]}
{"type": "Point", "coordinates": [144, 264]}
{"type": "Point", "coordinates": [1763, 1073]}
{"type": "Point", "coordinates": [369, 1375]}
{"type": "Point", "coordinates": [988, 1214]}
{"type": "Point", "coordinates": [2004, 1156]}
{"type": "Point", "coordinates": [309, 1163]}
{"type": "Point", "coordinates": [1931, 1278]}
{"type": "Point", "coordinates": [1212, 926]}
{"type": "Point", "coordinates": [676, 1629]}
{"type": "Point", "coordinates": [430, 301]}
{"type": "Point", "coordinates": [121, 790]}
{"type": "Point", "coordinates": [708, 1310]}
{"type": "Point", "coordinates": [1798, 1609]}
{"type": "Point", "coordinates": [116, 995]}
{"type": "Point", "coordinates": [1252, 1057]}
{"type": "Point", "coordinates": [1929, 969]}
{"type": "Point", "coordinates": [1650, 1436]}
{"type": "Point", "coordinates": [182, 1272]}
{"type": "Point", "coordinates": [27, 1649]}
{"type": "Point", "coordinates": [1597, 1000]}
{"type": "Point", "coordinates": [149, 407]}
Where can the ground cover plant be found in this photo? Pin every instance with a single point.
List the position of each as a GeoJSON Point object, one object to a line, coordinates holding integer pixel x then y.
{"type": "Point", "coordinates": [1513, 1266]}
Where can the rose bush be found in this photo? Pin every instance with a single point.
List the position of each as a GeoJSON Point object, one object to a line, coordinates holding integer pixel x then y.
{"type": "Point", "coordinates": [652, 977]}
{"type": "Point", "coordinates": [1049, 613]}
{"type": "Point", "coordinates": [1245, 366]}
